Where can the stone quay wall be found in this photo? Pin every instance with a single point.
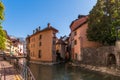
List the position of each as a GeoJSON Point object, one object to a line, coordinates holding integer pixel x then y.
{"type": "Point", "coordinates": [101, 56]}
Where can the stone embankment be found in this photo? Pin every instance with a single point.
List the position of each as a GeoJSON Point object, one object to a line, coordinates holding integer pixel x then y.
{"type": "Point", "coordinates": [108, 70]}
{"type": "Point", "coordinates": [46, 63]}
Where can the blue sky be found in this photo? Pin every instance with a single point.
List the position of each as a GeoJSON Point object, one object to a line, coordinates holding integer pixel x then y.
{"type": "Point", "coordinates": [23, 16]}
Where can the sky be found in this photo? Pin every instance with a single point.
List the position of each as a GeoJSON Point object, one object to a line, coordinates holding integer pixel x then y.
{"type": "Point", "coordinates": [24, 16]}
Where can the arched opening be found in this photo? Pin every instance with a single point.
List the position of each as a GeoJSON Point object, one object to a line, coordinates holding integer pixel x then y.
{"type": "Point", "coordinates": [58, 56]}
{"type": "Point", "coordinates": [111, 61]}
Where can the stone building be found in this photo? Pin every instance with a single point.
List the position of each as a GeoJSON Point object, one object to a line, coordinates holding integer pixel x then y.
{"type": "Point", "coordinates": [91, 53]}
{"type": "Point", "coordinates": [61, 47]}
{"type": "Point", "coordinates": [78, 38]}
{"type": "Point", "coordinates": [41, 45]}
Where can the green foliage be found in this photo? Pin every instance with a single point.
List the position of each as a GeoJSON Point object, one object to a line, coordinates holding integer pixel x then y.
{"type": "Point", "coordinates": [1, 11]}
{"type": "Point", "coordinates": [103, 20]}
{"type": "Point", "coordinates": [2, 39]}
{"type": "Point", "coordinates": [2, 33]}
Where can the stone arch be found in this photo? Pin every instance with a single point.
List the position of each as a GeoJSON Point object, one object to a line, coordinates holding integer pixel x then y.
{"type": "Point", "coordinates": [111, 59]}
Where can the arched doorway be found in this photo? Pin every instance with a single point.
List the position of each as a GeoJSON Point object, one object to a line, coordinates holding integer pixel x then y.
{"type": "Point", "coordinates": [111, 60]}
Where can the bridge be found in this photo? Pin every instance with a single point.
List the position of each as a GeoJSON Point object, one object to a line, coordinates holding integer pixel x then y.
{"type": "Point", "coordinates": [12, 56]}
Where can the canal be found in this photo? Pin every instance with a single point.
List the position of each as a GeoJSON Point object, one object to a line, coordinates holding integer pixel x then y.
{"type": "Point", "coordinates": [66, 72]}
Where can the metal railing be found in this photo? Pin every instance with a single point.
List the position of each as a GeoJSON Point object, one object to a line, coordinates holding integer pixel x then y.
{"type": "Point", "coordinates": [25, 71]}
{"type": "Point", "coordinates": [22, 69]}
{"type": "Point", "coordinates": [29, 74]}
{"type": "Point", "coordinates": [2, 72]}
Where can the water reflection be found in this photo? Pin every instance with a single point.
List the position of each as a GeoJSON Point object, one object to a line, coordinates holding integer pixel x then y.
{"type": "Point", "coordinates": [66, 72]}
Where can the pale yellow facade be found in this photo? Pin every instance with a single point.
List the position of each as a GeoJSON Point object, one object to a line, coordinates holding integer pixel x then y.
{"type": "Point", "coordinates": [7, 46]}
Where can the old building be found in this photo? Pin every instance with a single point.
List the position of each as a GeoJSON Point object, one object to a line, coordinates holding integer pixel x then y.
{"type": "Point", "coordinates": [7, 44]}
{"type": "Point", "coordinates": [13, 46]}
{"type": "Point", "coordinates": [41, 45]}
{"type": "Point", "coordinates": [16, 47]}
{"type": "Point", "coordinates": [78, 38]}
{"type": "Point", "coordinates": [61, 47]}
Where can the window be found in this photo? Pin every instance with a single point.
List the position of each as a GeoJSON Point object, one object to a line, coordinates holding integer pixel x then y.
{"type": "Point", "coordinates": [75, 33]}
{"type": "Point", "coordinates": [54, 42]}
{"type": "Point", "coordinates": [33, 45]}
{"type": "Point", "coordinates": [39, 54]}
{"type": "Point", "coordinates": [33, 39]}
{"type": "Point", "coordinates": [40, 37]}
{"type": "Point", "coordinates": [40, 44]}
{"type": "Point", "coordinates": [75, 42]}
{"type": "Point", "coordinates": [76, 56]}
{"type": "Point", "coordinates": [31, 54]}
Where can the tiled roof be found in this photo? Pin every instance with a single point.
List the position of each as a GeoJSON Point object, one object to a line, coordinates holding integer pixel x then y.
{"type": "Point", "coordinates": [49, 28]}
{"type": "Point", "coordinates": [78, 23]}
{"type": "Point", "coordinates": [60, 41]}
{"type": "Point", "coordinates": [45, 29]}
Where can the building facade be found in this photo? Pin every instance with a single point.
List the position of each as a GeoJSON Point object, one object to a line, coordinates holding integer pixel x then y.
{"type": "Point", "coordinates": [16, 47]}
{"type": "Point", "coordinates": [41, 45]}
{"type": "Point", "coordinates": [7, 44]}
{"type": "Point", "coordinates": [13, 46]}
{"type": "Point", "coordinates": [61, 47]}
{"type": "Point", "coordinates": [78, 38]}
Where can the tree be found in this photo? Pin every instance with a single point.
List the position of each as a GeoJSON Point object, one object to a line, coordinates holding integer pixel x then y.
{"type": "Point", "coordinates": [103, 20]}
{"type": "Point", "coordinates": [2, 33]}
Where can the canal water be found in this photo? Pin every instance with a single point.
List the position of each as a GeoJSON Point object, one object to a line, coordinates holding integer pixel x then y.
{"type": "Point", "coordinates": [66, 72]}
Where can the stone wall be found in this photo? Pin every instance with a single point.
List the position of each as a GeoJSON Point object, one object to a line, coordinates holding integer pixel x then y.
{"type": "Point", "coordinates": [100, 56]}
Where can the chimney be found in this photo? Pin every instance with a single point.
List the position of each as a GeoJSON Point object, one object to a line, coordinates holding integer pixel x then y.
{"type": "Point", "coordinates": [81, 16]}
{"type": "Point", "coordinates": [39, 28]}
{"type": "Point", "coordinates": [33, 31]}
{"type": "Point", "coordinates": [48, 25]}
{"type": "Point", "coordinates": [28, 35]}
{"type": "Point", "coordinates": [61, 37]}
{"type": "Point", "coordinates": [36, 30]}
